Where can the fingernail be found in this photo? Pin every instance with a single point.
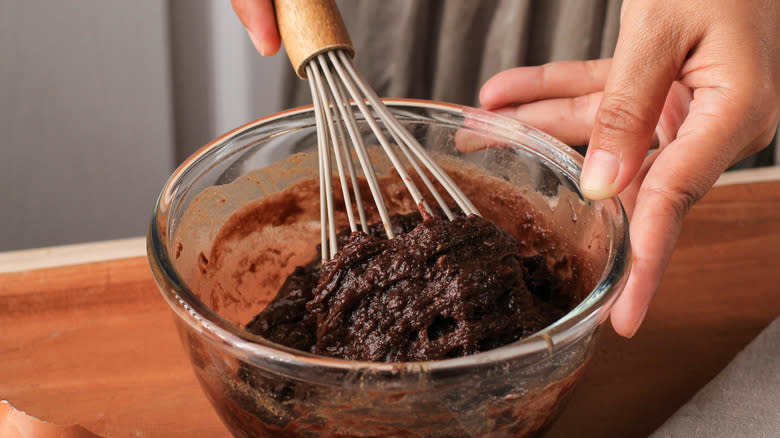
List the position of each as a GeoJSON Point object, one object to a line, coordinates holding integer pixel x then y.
{"type": "Point", "coordinates": [638, 322]}
{"type": "Point", "coordinates": [256, 42]}
{"type": "Point", "coordinates": [505, 111]}
{"type": "Point", "coordinates": [508, 111]}
{"type": "Point", "coordinates": [598, 176]}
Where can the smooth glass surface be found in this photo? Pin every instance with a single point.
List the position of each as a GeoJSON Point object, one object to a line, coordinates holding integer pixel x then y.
{"type": "Point", "coordinates": [262, 389]}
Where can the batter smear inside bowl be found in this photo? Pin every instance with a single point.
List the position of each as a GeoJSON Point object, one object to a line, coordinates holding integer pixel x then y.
{"type": "Point", "coordinates": [440, 289]}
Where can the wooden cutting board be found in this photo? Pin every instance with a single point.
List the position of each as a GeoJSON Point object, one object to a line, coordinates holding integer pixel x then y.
{"type": "Point", "coordinates": [95, 344]}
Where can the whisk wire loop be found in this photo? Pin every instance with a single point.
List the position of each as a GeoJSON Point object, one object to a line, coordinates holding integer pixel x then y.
{"type": "Point", "coordinates": [327, 217]}
{"type": "Point", "coordinates": [370, 119]}
{"type": "Point", "coordinates": [334, 80]}
{"type": "Point", "coordinates": [345, 108]}
{"type": "Point", "coordinates": [334, 142]}
{"type": "Point", "coordinates": [408, 139]}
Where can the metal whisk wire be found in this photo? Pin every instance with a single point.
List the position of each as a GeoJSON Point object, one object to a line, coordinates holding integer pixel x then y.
{"type": "Point", "coordinates": [337, 88]}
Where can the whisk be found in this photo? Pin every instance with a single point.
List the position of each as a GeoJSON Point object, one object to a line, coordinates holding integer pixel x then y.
{"type": "Point", "coordinates": [320, 50]}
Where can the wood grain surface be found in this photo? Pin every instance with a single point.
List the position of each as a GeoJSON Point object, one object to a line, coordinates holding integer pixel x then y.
{"type": "Point", "coordinates": [309, 28]}
{"type": "Point", "coordinates": [95, 344]}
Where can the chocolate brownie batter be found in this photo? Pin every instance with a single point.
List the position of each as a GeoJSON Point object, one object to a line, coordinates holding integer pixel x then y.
{"type": "Point", "coordinates": [243, 254]}
{"type": "Point", "coordinates": [439, 290]}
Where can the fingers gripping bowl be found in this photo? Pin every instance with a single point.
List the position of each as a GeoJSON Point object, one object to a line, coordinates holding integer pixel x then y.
{"type": "Point", "coordinates": [237, 217]}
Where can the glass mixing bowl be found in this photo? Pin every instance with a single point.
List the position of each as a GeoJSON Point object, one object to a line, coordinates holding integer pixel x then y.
{"type": "Point", "coordinates": [260, 388]}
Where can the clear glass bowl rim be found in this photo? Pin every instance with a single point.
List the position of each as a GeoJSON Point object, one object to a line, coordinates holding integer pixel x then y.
{"type": "Point", "coordinates": [580, 321]}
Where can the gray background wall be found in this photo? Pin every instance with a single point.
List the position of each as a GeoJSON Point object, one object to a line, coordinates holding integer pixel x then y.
{"type": "Point", "coordinates": [100, 100]}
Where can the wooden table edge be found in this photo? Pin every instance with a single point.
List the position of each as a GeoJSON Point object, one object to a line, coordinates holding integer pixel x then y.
{"type": "Point", "coordinates": [82, 253]}
{"type": "Point", "coordinates": [68, 255]}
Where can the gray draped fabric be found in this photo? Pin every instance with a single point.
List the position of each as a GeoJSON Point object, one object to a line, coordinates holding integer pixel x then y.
{"type": "Point", "coordinates": [445, 50]}
{"type": "Point", "coordinates": [743, 400]}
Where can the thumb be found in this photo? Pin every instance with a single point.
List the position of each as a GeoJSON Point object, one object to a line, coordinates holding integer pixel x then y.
{"type": "Point", "coordinates": [258, 18]}
{"type": "Point", "coordinates": [634, 96]}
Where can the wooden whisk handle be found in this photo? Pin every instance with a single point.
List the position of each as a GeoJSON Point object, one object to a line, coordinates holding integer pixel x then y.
{"type": "Point", "coordinates": [310, 27]}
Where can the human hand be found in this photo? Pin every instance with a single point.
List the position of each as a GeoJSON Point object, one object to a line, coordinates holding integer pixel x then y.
{"type": "Point", "coordinates": [258, 18]}
{"type": "Point", "coordinates": [699, 79]}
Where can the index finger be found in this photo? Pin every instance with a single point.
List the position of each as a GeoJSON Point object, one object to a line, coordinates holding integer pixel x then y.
{"type": "Point", "coordinates": [258, 18]}
{"type": "Point", "coordinates": [634, 96]}
{"type": "Point", "coordinates": [554, 80]}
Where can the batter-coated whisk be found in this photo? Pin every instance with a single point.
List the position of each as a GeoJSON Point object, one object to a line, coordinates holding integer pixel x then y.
{"type": "Point", "coordinates": [320, 50]}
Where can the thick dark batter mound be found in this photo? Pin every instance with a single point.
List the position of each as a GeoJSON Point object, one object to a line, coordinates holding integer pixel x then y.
{"type": "Point", "coordinates": [440, 289]}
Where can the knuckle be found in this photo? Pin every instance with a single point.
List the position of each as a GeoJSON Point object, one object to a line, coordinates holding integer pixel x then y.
{"type": "Point", "coordinates": [757, 108]}
{"type": "Point", "coordinates": [580, 106]}
{"type": "Point", "coordinates": [674, 201]}
{"type": "Point", "coordinates": [766, 109]}
{"type": "Point", "coordinates": [545, 73]}
{"type": "Point", "coordinates": [592, 69]}
{"type": "Point", "coordinates": [619, 116]}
